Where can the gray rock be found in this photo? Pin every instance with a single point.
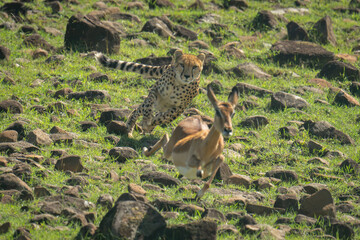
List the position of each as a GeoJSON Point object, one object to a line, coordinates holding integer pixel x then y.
{"type": "Point", "coordinates": [319, 203]}
{"type": "Point", "coordinates": [160, 178]}
{"type": "Point", "coordinates": [192, 230]}
{"type": "Point", "coordinates": [301, 52]}
{"type": "Point", "coordinates": [247, 70]}
{"type": "Point", "coordinates": [296, 32]}
{"type": "Point", "coordinates": [9, 181]}
{"type": "Point", "coordinates": [121, 154]}
{"type": "Point", "coordinates": [84, 34]}
{"type": "Point", "coordinates": [70, 162]}
{"type": "Point", "coordinates": [323, 31]}
{"type": "Point", "coordinates": [340, 71]}
{"type": "Point", "coordinates": [39, 138]}
{"type": "Point", "coordinates": [251, 89]}
{"type": "Point", "coordinates": [285, 175]}
{"type": "Point", "coordinates": [132, 220]}
{"type": "Point", "coordinates": [11, 106]}
{"type": "Point", "coordinates": [254, 121]}
{"type": "Point", "coordinates": [282, 100]}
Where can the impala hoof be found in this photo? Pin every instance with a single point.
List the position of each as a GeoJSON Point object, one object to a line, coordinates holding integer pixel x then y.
{"type": "Point", "coordinates": [200, 173]}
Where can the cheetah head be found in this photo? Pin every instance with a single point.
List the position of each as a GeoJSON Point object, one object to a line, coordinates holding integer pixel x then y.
{"type": "Point", "coordinates": [187, 67]}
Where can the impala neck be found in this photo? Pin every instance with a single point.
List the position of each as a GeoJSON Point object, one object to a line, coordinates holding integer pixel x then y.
{"type": "Point", "coordinates": [211, 141]}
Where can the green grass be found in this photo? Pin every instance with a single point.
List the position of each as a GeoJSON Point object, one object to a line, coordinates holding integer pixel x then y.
{"type": "Point", "coordinates": [275, 151]}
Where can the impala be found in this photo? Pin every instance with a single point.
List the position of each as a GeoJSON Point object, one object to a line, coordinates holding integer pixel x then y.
{"type": "Point", "coordinates": [196, 150]}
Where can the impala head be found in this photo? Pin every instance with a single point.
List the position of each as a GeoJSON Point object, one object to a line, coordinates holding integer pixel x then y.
{"type": "Point", "coordinates": [224, 111]}
{"type": "Point", "coordinates": [187, 67]}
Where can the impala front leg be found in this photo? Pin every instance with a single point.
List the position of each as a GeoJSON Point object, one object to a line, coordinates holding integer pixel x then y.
{"type": "Point", "coordinates": [217, 162]}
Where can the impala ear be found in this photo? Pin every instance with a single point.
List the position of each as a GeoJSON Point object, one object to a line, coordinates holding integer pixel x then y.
{"type": "Point", "coordinates": [177, 54]}
{"type": "Point", "coordinates": [201, 57]}
{"type": "Point", "coordinates": [211, 96]}
{"type": "Point", "coordinates": [233, 96]}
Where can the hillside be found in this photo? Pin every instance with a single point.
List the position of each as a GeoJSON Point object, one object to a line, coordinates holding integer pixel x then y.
{"type": "Point", "coordinates": [291, 166]}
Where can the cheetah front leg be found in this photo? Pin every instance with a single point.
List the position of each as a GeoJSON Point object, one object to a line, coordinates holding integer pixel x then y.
{"type": "Point", "coordinates": [130, 123]}
{"type": "Point", "coordinates": [164, 118]}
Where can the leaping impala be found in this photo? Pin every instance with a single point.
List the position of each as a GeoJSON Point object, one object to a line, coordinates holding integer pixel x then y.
{"type": "Point", "coordinates": [195, 149]}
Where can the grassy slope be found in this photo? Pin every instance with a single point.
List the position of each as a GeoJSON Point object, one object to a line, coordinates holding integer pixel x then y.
{"type": "Point", "coordinates": [24, 70]}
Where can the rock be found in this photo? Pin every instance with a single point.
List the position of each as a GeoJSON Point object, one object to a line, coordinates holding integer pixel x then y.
{"type": "Point", "coordinates": [5, 227]}
{"type": "Point", "coordinates": [288, 132]}
{"type": "Point", "coordinates": [160, 178]}
{"type": "Point", "coordinates": [86, 231]}
{"type": "Point", "coordinates": [285, 175]}
{"type": "Point", "coordinates": [317, 160]}
{"type": "Point", "coordinates": [355, 88]}
{"type": "Point", "coordinates": [198, 44]}
{"type": "Point", "coordinates": [69, 201]}
{"type": "Point", "coordinates": [84, 33]}
{"type": "Point", "coordinates": [22, 234]}
{"type": "Point", "coordinates": [302, 219]}
{"type": "Point", "coordinates": [313, 187]}
{"type": "Point", "coordinates": [289, 202]}
{"type": "Point", "coordinates": [77, 181]}
{"type": "Point", "coordinates": [70, 162]}
{"type": "Point", "coordinates": [42, 218]}
{"type": "Point", "coordinates": [301, 52]}
{"type": "Point", "coordinates": [8, 80]}
{"type": "Point", "coordinates": [55, 6]}
{"type": "Point", "coordinates": [264, 21]}
{"type": "Point", "coordinates": [132, 220]}
{"type": "Point", "coordinates": [136, 189]}
{"type": "Point", "coordinates": [254, 122]}
{"type": "Point", "coordinates": [39, 52]}
{"type": "Point", "coordinates": [324, 129]}
{"type": "Point", "coordinates": [239, 180]}
{"type": "Point", "coordinates": [216, 86]}
{"type": "Point", "coordinates": [9, 136]}
{"type": "Point", "coordinates": [262, 183]}
{"type": "Point", "coordinates": [55, 59]}
{"type": "Point", "coordinates": [249, 70]}
{"type": "Point", "coordinates": [90, 95]}
{"type": "Point", "coordinates": [39, 138]}
{"type": "Point", "coordinates": [161, 4]}
{"type": "Point", "coordinates": [114, 114]}
{"type": "Point", "coordinates": [340, 71]}
{"type": "Point", "coordinates": [106, 201]}
{"type": "Point", "coordinates": [4, 53]}
{"type": "Point", "coordinates": [121, 154]}
{"type": "Point", "coordinates": [9, 181]}
{"type": "Point", "coordinates": [192, 230]}
{"type": "Point", "coordinates": [336, 228]}
{"type": "Point", "coordinates": [350, 166]}
{"type": "Point", "coordinates": [211, 213]}
{"type": "Point", "coordinates": [239, 4]}
{"type": "Point", "coordinates": [41, 192]}
{"type": "Point", "coordinates": [282, 100]}
{"type": "Point", "coordinates": [246, 220]}
{"type": "Point", "coordinates": [319, 203]}
{"type": "Point", "coordinates": [157, 26]}
{"type": "Point", "coordinates": [251, 89]}
{"type": "Point", "coordinates": [61, 138]}
{"type": "Point", "coordinates": [185, 33]}
{"type": "Point", "coordinates": [261, 210]}
{"type": "Point", "coordinates": [78, 219]}
{"type": "Point", "coordinates": [323, 31]}
{"type": "Point", "coordinates": [86, 125]}
{"type": "Point", "coordinates": [224, 172]}
{"type": "Point", "coordinates": [316, 148]}
{"type": "Point", "coordinates": [35, 40]}
{"type": "Point", "coordinates": [11, 106]}
{"type": "Point", "coordinates": [295, 32]}
{"type": "Point", "coordinates": [344, 99]}
{"type": "Point", "coordinates": [227, 229]}
{"type": "Point", "coordinates": [20, 146]}
{"type": "Point", "coordinates": [117, 127]}
{"type": "Point", "coordinates": [98, 77]}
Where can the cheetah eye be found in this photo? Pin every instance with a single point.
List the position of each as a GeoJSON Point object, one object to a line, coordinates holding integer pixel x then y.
{"type": "Point", "coordinates": [194, 68]}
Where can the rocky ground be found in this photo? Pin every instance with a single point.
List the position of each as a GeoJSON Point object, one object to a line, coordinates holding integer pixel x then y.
{"type": "Point", "coordinates": [292, 167]}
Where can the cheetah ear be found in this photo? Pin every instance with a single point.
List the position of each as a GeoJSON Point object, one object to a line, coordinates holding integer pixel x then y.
{"type": "Point", "coordinates": [178, 54]}
{"type": "Point", "coordinates": [201, 57]}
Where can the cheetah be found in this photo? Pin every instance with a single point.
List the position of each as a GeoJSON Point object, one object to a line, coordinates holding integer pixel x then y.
{"type": "Point", "coordinates": [177, 84]}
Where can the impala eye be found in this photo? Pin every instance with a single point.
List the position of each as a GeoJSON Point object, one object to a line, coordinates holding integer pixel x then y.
{"type": "Point", "coordinates": [217, 112]}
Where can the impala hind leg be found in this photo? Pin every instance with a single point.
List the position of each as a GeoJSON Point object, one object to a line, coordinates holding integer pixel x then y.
{"type": "Point", "coordinates": [217, 162]}
{"type": "Point", "coordinates": [161, 143]}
